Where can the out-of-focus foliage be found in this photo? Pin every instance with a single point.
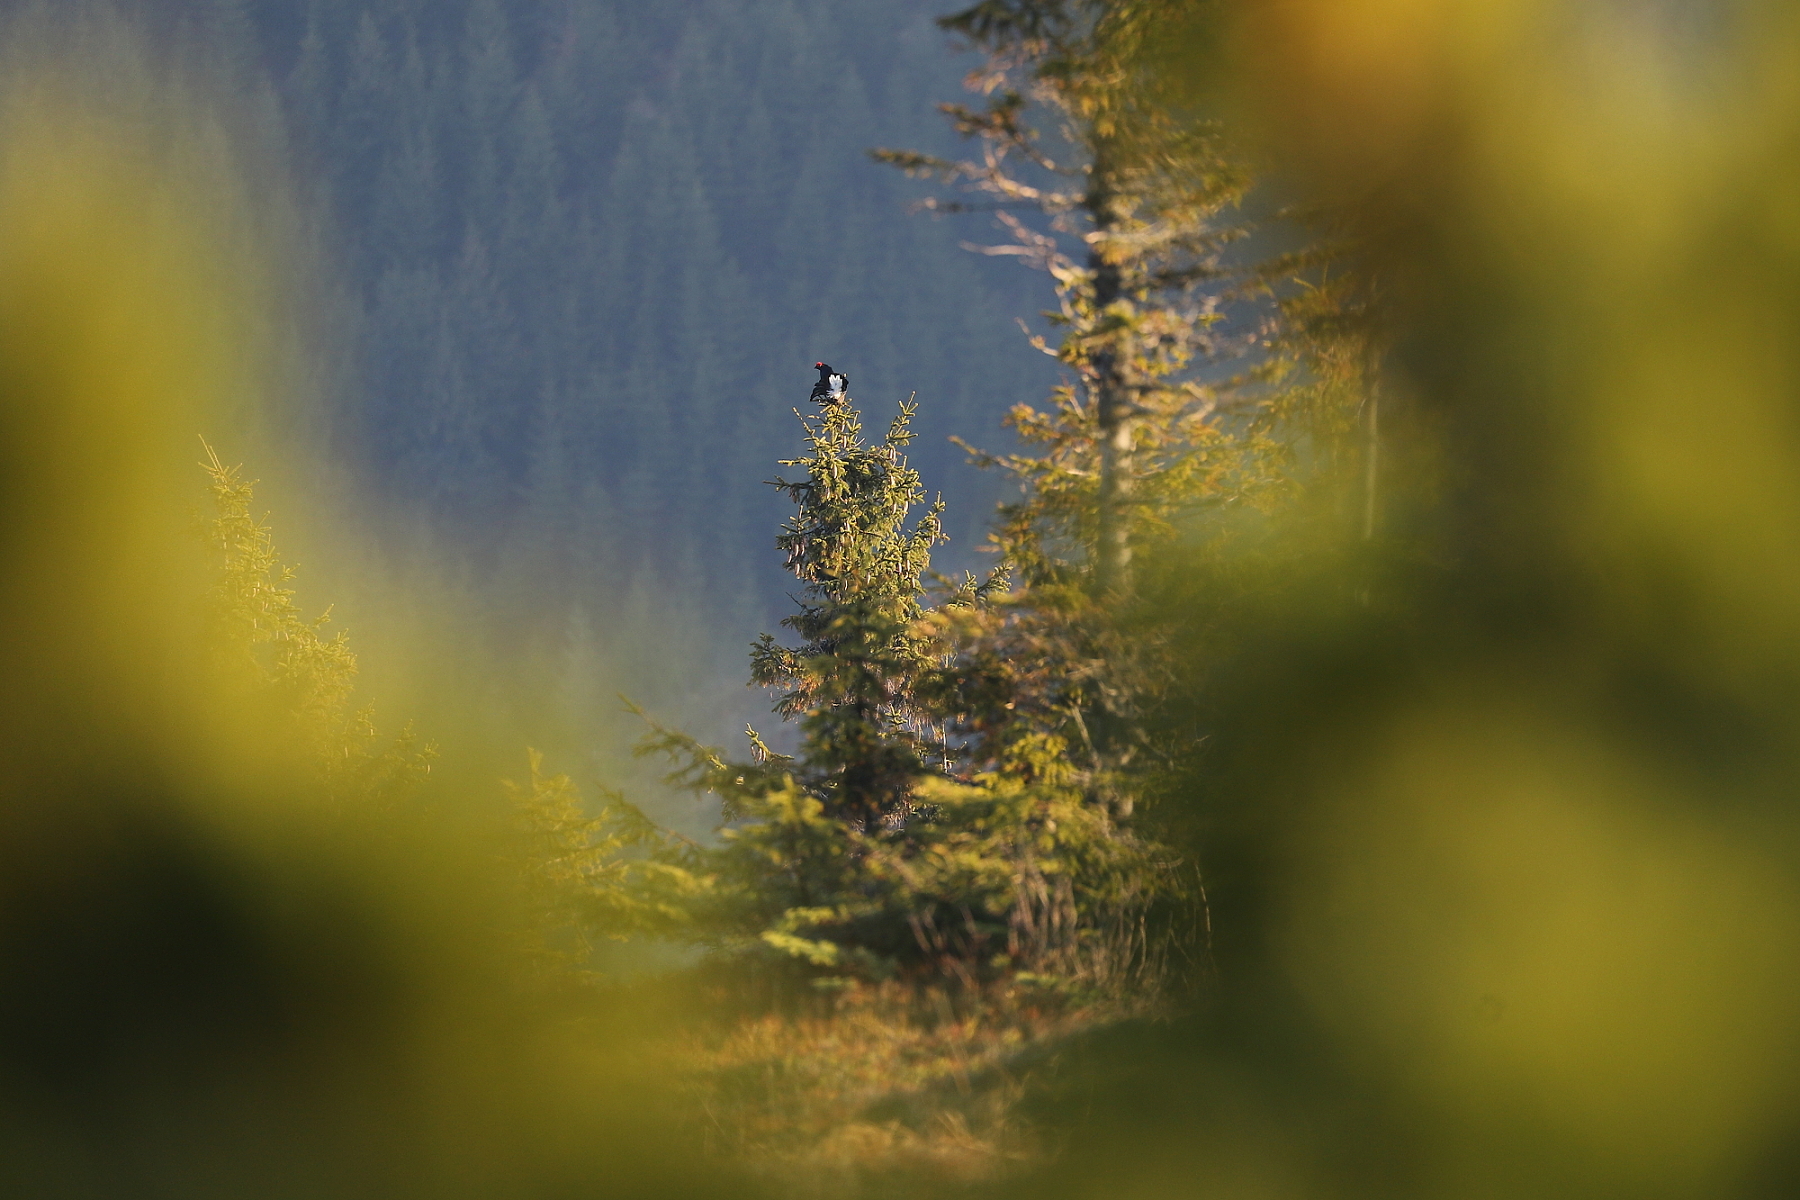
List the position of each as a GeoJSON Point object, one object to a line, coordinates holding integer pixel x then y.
{"type": "Point", "coordinates": [1496, 810]}
{"type": "Point", "coordinates": [258, 627]}
{"type": "Point", "coordinates": [588, 878]}
{"type": "Point", "coordinates": [218, 978]}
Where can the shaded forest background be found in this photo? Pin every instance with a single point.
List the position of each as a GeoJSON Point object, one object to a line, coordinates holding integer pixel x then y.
{"type": "Point", "coordinates": [581, 255]}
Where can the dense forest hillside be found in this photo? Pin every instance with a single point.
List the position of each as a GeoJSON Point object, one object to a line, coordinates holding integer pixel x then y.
{"type": "Point", "coordinates": [588, 249]}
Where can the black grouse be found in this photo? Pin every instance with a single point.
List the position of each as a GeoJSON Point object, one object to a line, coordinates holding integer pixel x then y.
{"type": "Point", "coordinates": [831, 385]}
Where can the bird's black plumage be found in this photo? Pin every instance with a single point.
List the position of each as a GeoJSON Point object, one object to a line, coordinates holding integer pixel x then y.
{"type": "Point", "coordinates": [831, 386]}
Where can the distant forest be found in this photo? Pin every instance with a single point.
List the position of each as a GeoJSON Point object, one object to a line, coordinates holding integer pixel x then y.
{"type": "Point", "coordinates": [584, 253]}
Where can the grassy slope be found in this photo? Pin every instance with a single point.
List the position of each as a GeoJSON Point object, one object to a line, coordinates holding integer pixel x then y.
{"type": "Point", "coordinates": [882, 1091]}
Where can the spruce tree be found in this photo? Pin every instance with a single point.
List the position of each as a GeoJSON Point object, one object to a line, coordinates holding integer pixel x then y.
{"type": "Point", "coordinates": [805, 835]}
{"type": "Point", "coordinates": [853, 681]}
{"type": "Point", "coordinates": [880, 846]}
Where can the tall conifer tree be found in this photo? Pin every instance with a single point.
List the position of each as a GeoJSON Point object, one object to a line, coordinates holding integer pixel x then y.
{"type": "Point", "coordinates": [880, 846]}
{"type": "Point", "coordinates": [853, 681]}
{"type": "Point", "coordinates": [1188, 366]}
{"type": "Point", "coordinates": [807, 835]}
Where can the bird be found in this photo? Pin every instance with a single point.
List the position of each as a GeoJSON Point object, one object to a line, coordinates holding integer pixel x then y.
{"type": "Point", "coordinates": [831, 385]}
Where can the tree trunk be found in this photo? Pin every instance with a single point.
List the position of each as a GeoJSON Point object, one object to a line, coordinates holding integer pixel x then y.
{"type": "Point", "coordinates": [1112, 552]}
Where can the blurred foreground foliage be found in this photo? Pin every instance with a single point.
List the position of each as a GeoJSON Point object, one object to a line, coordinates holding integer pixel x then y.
{"type": "Point", "coordinates": [1495, 805]}
{"type": "Point", "coordinates": [593, 877]}
{"type": "Point", "coordinates": [260, 632]}
{"type": "Point", "coordinates": [223, 972]}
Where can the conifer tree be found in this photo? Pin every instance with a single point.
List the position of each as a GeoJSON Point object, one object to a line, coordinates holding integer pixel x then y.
{"type": "Point", "coordinates": [1132, 224]}
{"type": "Point", "coordinates": [1190, 370]}
{"type": "Point", "coordinates": [879, 846]}
{"type": "Point", "coordinates": [853, 682]}
{"type": "Point", "coordinates": [804, 833]}
{"type": "Point", "coordinates": [1147, 201]}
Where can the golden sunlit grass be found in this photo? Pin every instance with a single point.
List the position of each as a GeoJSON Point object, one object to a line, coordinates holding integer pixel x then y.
{"type": "Point", "coordinates": [882, 1091]}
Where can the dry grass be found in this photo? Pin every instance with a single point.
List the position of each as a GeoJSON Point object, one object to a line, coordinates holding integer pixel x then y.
{"type": "Point", "coordinates": [881, 1092]}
